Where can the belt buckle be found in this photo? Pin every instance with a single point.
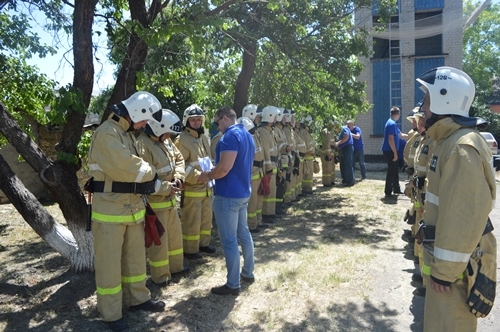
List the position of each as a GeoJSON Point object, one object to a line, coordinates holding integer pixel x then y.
{"type": "Point", "coordinates": [134, 188]}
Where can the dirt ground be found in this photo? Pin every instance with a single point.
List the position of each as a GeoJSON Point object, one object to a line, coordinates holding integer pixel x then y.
{"type": "Point", "coordinates": [335, 262]}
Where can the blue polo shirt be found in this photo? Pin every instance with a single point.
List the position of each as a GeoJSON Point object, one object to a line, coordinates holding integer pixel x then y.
{"type": "Point", "coordinates": [345, 131]}
{"type": "Point", "coordinates": [237, 183]}
{"type": "Point", "coordinates": [357, 143]}
{"type": "Point", "coordinates": [391, 128]}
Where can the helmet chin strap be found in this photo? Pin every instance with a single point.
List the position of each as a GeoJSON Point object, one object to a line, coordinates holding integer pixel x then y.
{"type": "Point", "coordinates": [432, 120]}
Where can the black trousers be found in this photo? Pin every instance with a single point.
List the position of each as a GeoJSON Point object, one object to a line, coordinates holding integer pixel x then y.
{"type": "Point", "coordinates": [392, 177]}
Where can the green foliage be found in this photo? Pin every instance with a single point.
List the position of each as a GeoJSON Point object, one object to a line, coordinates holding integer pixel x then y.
{"type": "Point", "coordinates": [481, 60]}
{"type": "Point", "coordinates": [84, 145]}
{"type": "Point", "coordinates": [68, 99]}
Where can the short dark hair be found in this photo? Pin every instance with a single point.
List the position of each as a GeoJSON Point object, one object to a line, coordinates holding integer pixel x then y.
{"type": "Point", "coordinates": [225, 111]}
{"type": "Point", "coordinates": [395, 110]}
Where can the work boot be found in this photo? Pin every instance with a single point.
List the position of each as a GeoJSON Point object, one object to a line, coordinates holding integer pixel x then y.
{"type": "Point", "coordinates": [193, 256]}
{"type": "Point", "coordinates": [224, 290]}
{"type": "Point", "coordinates": [149, 305]}
{"type": "Point", "coordinates": [185, 270]}
{"type": "Point", "coordinates": [208, 249]}
{"type": "Point", "coordinates": [256, 230]}
{"type": "Point", "coordinates": [120, 325]}
{"type": "Point", "coordinates": [408, 238]}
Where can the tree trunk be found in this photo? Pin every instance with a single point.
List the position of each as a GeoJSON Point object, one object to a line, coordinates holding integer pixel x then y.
{"type": "Point", "coordinates": [137, 51]}
{"type": "Point", "coordinates": [244, 78]}
{"type": "Point", "coordinates": [74, 244]}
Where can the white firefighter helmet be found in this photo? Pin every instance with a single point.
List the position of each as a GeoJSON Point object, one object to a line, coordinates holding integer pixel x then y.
{"type": "Point", "coordinates": [169, 123]}
{"type": "Point", "coordinates": [193, 110]}
{"type": "Point", "coordinates": [280, 115]}
{"type": "Point", "coordinates": [287, 114]}
{"type": "Point", "coordinates": [140, 106]}
{"type": "Point", "coordinates": [307, 120]}
{"type": "Point", "coordinates": [250, 111]}
{"type": "Point", "coordinates": [451, 91]}
{"type": "Point", "coordinates": [246, 122]}
{"type": "Point", "coordinates": [269, 113]}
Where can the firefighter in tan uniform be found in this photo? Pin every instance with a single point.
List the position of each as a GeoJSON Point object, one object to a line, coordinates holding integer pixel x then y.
{"type": "Point", "coordinates": [119, 180]}
{"type": "Point", "coordinates": [254, 113]}
{"type": "Point", "coordinates": [459, 248]}
{"type": "Point", "coordinates": [196, 210]}
{"type": "Point", "coordinates": [307, 179]}
{"type": "Point", "coordinates": [257, 173]}
{"type": "Point", "coordinates": [421, 164]}
{"type": "Point", "coordinates": [409, 158]}
{"type": "Point", "coordinates": [336, 125]}
{"type": "Point", "coordinates": [156, 147]}
{"type": "Point", "coordinates": [299, 165]}
{"type": "Point", "coordinates": [270, 150]}
{"type": "Point", "coordinates": [290, 138]}
{"type": "Point", "coordinates": [327, 164]}
{"type": "Point", "coordinates": [213, 144]}
{"type": "Point", "coordinates": [283, 151]}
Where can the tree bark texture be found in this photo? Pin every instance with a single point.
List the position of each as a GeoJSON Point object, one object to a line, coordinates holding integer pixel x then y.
{"type": "Point", "coordinates": [244, 78]}
{"type": "Point", "coordinates": [64, 187]}
{"type": "Point", "coordinates": [137, 51]}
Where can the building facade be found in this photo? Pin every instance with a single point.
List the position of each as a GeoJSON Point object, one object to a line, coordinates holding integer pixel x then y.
{"type": "Point", "coordinates": [423, 34]}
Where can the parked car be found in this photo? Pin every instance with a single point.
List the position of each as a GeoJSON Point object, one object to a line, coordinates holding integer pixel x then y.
{"type": "Point", "coordinates": [492, 142]}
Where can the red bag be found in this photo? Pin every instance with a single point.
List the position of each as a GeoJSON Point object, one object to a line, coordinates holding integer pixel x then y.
{"type": "Point", "coordinates": [153, 229]}
{"type": "Point", "coordinates": [264, 187]}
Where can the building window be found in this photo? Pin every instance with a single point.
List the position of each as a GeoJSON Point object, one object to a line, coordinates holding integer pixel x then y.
{"type": "Point", "coordinates": [429, 33]}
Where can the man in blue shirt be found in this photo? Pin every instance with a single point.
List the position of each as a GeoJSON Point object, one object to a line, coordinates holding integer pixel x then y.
{"type": "Point", "coordinates": [232, 174]}
{"type": "Point", "coordinates": [390, 151]}
{"type": "Point", "coordinates": [345, 145]}
{"type": "Point", "coordinates": [359, 154]}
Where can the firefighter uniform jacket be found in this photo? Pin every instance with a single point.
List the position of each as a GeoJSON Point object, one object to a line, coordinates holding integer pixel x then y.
{"type": "Point", "coordinates": [410, 148]}
{"type": "Point", "coordinates": [193, 147]}
{"type": "Point", "coordinates": [169, 165]}
{"type": "Point", "coordinates": [282, 144]}
{"type": "Point", "coordinates": [461, 190]}
{"type": "Point", "coordinates": [269, 147]}
{"type": "Point", "coordinates": [326, 137]}
{"type": "Point", "coordinates": [113, 156]}
{"type": "Point", "coordinates": [310, 144]}
{"type": "Point", "coordinates": [213, 145]}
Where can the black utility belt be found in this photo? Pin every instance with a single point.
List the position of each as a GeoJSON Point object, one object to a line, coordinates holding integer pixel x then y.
{"type": "Point", "coordinates": [122, 187]}
{"type": "Point", "coordinates": [274, 159]}
{"type": "Point", "coordinates": [302, 154]}
{"type": "Point", "coordinates": [258, 163]}
{"type": "Point", "coordinates": [427, 233]}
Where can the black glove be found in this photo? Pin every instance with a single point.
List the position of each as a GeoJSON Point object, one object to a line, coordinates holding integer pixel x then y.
{"type": "Point", "coordinates": [295, 171]}
{"type": "Point", "coordinates": [336, 160]}
{"type": "Point", "coordinates": [482, 296]}
{"type": "Point", "coordinates": [409, 171]}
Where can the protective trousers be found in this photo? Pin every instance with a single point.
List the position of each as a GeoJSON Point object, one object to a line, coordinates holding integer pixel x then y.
{"type": "Point", "coordinates": [280, 188]}
{"type": "Point", "coordinates": [269, 202]}
{"type": "Point", "coordinates": [168, 257]}
{"type": "Point", "coordinates": [327, 167]}
{"type": "Point", "coordinates": [448, 312]}
{"type": "Point", "coordinates": [289, 187]}
{"type": "Point", "coordinates": [298, 190]}
{"type": "Point", "coordinates": [252, 204]}
{"type": "Point", "coordinates": [307, 179]}
{"type": "Point", "coordinates": [196, 220]}
{"type": "Point", "coordinates": [120, 267]}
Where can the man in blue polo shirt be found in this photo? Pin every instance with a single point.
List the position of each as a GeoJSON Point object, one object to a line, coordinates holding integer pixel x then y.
{"type": "Point", "coordinates": [345, 145]}
{"type": "Point", "coordinates": [359, 154]}
{"type": "Point", "coordinates": [390, 146]}
{"type": "Point", "coordinates": [232, 174]}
